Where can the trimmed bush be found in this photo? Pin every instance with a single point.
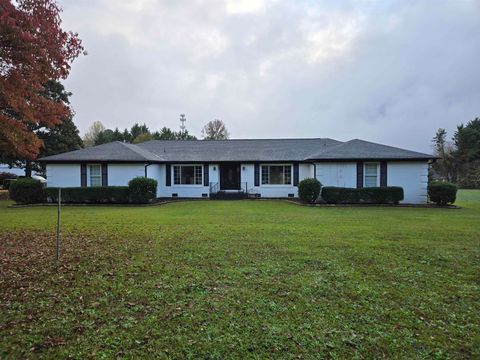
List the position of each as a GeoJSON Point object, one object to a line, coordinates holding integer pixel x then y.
{"type": "Point", "coordinates": [142, 190]}
{"type": "Point", "coordinates": [442, 193]}
{"type": "Point", "coordinates": [369, 195]}
{"type": "Point", "coordinates": [90, 195]}
{"type": "Point", "coordinates": [4, 179]}
{"type": "Point", "coordinates": [27, 191]}
{"type": "Point", "coordinates": [309, 189]}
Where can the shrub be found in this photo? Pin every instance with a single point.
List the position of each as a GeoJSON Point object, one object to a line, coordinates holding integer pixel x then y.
{"type": "Point", "coordinates": [6, 176]}
{"type": "Point", "coordinates": [442, 193]}
{"type": "Point", "coordinates": [142, 189]}
{"type": "Point", "coordinates": [309, 189]}
{"type": "Point", "coordinates": [369, 195]}
{"type": "Point", "coordinates": [27, 191]}
{"type": "Point", "coordinates": [90, 195]}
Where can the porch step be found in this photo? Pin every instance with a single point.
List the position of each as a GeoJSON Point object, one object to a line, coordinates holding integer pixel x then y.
{"type": "Point", "coordinates": [222, 195]}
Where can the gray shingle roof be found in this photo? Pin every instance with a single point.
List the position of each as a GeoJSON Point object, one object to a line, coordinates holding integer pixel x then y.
{"type": "Point", "coordinates": [236, 150]}
{"type": "Point", "coordinates": [361, 149]}
{"type": "Point", "coordinates": [114, 151]}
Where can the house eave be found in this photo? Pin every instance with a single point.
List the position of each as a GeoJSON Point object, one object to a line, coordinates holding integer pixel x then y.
{"type": "Point", "coordinates": [372, 159]}
{"type": "Point", "coordinates": [96, 161]}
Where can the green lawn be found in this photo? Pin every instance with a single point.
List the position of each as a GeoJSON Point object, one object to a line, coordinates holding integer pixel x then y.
{"type": "Point", "coordinates": [245, 279]}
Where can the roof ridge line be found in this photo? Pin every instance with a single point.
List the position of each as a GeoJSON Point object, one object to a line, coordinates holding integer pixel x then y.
{"type": "Point", "coordinates": [140, 151]}
{"type": "Point", "coordinates": [244, 139]}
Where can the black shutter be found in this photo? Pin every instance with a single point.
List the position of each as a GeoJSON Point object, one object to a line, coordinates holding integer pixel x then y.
{"type": "Point", "coordinates": [168, 175]}
{"type": "Point", "coordinates": [295, 174]}
{"type": "Point", "coordinates": [83, 175]}
{"type": "Point", "coordinates": [257, 174]}
{"type": "Point", "coordinates": [359, 174]}
{"type": "Point", "coordinates": [206, 178]}
{"type": "Point", "coordinates": [104, 174]}
{"type": "Point", "coordinates": [383, 173]}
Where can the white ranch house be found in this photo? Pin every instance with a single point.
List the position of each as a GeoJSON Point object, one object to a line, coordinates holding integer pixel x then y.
{"type": "Point", "coordinates": [267, 168]}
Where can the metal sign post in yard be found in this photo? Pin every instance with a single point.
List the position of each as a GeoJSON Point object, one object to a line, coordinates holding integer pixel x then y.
{"type": "Point", "coordinates": [58, 223]}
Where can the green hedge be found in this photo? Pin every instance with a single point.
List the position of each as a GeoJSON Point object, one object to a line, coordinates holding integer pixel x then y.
{"type": "Point", "coordinates": [139, 190]}
{"type": "Point", "coordinates": [90, 195]}
{"type": "Point", "coordinates": [369, 195]}
{"type": "Point", "coordinates": [309, 189]}
{"type": "Point", "coordinates": [442, 193]}
{"type": "Point", "coordinates": [27, 191]}
{"type": "Point", "coordinates": [142, 190]}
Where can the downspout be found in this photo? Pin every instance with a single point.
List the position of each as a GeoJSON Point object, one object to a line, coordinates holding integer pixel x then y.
{"type": "Point", "coordinates": [147, 165]}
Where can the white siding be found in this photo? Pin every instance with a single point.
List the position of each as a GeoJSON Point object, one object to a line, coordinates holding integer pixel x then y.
{"type": "Point", "coordinates": [305, 171]}
{"type": "Point", "coordinates": [412, 176]}
{"type": "Point", "coordinates": [182, 191]}
{"type": "Point", "coordinates": [274, 191]}
{"type": "Point", "coordinates": [247, 175]}
{"type": "Point", "coordinates": [340, 174]}
{"type": "Point", "coordinates": [214, 173]}
{"type": "Point", "coordinates": [63, 175]}
{"type": "Point", "coordinates": [68, 175]}
{"type": "Point", "coordinates": [154, 171]}
{"type": "Point", "coordinates": [121, 174]}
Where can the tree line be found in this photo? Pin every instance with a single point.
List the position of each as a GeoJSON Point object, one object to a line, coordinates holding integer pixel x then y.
{"type": "Point", "coordinates": [97, 134]}
{"type": "Point", "coordinates": [459, 158]}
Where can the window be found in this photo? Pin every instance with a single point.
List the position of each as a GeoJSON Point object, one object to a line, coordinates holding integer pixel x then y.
{"type": "Point", "coordinates": [276, 174]}
{"type": "Point", "coordinates": [187, 174]}
{"type": "Point", "coordinates": [371, 174]}
{"type": "Point", "coordinates": [95, 175]}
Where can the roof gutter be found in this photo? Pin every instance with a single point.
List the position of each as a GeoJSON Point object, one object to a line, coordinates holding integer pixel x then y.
{"type": "Point", "coordinates": [147, 165]}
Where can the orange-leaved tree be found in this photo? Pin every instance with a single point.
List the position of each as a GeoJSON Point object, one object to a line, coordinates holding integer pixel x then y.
{"type": "Point", "coordinates": [33, 50]}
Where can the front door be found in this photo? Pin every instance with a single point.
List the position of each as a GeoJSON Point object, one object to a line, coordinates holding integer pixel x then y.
{"type": "Point", "coordinates": [230, 176]}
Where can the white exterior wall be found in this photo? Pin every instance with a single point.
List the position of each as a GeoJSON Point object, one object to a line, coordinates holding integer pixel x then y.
{"type": "Point", "coordinates": [121, 174]}
{"type": "Point", "coordinates": [63, 175]}
{"type": "Point", "coordinates": [154, 171]}
{"type": "Point", "coordinates": [248, 176]}
{"type": "Point", "coordinates": [214, 173]}
{"type": "Point", "coordinates": [273, 191]}
{"type": "Point", "coordinates": [68, 175]}
{"type": "Point", "coordinates": [183, 191]}
{"type": "Point", "coordinates": [340, 174]}
{"type": "Point", "coordinates": [412, 176]}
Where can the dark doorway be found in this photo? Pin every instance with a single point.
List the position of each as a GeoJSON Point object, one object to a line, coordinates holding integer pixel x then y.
{"type": "Point", "coordinates": [230, 176]}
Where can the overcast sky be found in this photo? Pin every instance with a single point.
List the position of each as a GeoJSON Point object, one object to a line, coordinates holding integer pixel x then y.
{"type": "Point", "coordinates": [385, 71]}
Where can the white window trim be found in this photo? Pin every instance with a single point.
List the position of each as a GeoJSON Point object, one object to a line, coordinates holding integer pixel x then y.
{"type": "Point", "coordinates": [277, 185]}
{"type": "Point", "coordinates": [89, 182]}
{"type": "Point", "coordinates": [186, 185]}
{"type": "Point", "coordinates": [377, 184]}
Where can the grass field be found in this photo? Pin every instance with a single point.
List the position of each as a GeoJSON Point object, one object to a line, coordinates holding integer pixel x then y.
{"type": "Point", "coordinates": [246, 279]}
